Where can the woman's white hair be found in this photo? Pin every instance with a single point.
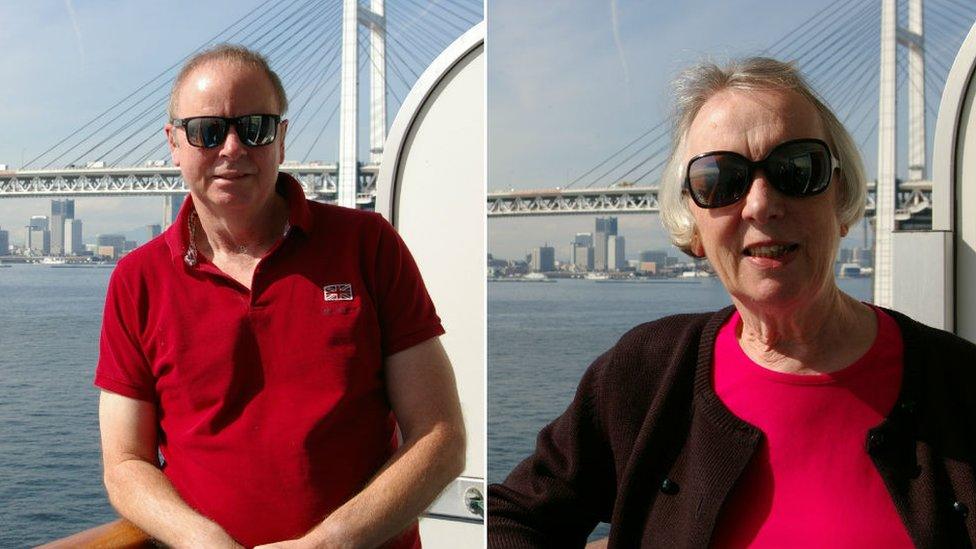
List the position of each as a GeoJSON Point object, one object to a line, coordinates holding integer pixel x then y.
{"type": "Point", "coordinates": [697, 85]}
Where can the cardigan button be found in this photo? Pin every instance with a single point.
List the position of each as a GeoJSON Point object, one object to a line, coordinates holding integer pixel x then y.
{"type": "Point", "coordinates": [960, 508]}
{"type": "Point", "coordinates": [875, 441]}
{"type": "Point", "coordinates": [670, 487]}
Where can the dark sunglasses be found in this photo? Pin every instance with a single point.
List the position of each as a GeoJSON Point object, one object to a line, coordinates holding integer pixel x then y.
{"type": "Point", "coordinates": [208, 132]}
{"type": "Point", "coordinates": [802, 167]}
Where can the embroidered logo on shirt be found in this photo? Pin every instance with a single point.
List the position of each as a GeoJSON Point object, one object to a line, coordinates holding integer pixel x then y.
{"type": "Point", "coordinates": [338, 292]}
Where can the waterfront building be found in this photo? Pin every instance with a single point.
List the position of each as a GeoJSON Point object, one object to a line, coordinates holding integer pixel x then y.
{"type": "Point", "coordinates": [605, 227]}
{"type": "Point", "coordinates": [110, 252]}
{"type": "Point", "coordinates": [64, 207]}
{"type": "Point", "coordinates": [583, 251]}
{"type": "Point", "coordinates": [4, 243]}
{"type": "Point", "coordinates": [583, 239]}
{"type": "Point", "coordinates": [57, 233]}
{"type": "Point", "coordinates": [38, 240]}
{"type": "Point", "coordinates": [543, 259]}
{"type": "Point", "coordinates": [171, 207]}
{"type": "Point", "coordinates": [583, 258]}
{"type": "Point", "coordinates": [38, 222]}
{"type": "Point", "coordinates": [154, 230]}
{"type": "Point", "coordinates": [72, 237]}
{"type": "Point", "coordinates": [115, 241]}
{"type": "Point", "coordinates": [656, 256]}
{"type": "Point", "coordinates": [616, 260]}
{"type": "Point", "coordinates": [649, 267]}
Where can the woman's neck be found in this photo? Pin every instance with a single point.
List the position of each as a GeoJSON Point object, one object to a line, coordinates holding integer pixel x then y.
{"type": "Point", "coordinates": [825, 336]}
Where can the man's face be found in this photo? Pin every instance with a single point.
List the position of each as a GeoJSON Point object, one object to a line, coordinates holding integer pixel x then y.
{"type": "Point", "coordinates": [231, 177]}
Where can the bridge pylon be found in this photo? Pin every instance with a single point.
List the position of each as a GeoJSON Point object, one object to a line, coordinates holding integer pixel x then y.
{"type": "Point", "coordinates": [891, 37]}
{"type": "Point", "coordinates": [374, 19]}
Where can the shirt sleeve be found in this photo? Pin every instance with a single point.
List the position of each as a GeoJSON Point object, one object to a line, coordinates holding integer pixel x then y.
{"type": "Point", "coordinates": [122, 364]}
{"type": "Point", "coordinates": [406, 313]}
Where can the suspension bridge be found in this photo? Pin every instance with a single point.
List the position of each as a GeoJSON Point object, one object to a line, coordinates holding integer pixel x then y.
{"type": "Point", "coordinates": [321, 50]}
{"type": "Point", "coordinates": [848, 52]}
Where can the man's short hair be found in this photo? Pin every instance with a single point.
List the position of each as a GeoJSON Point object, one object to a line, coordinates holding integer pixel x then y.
{"type": "Point", "coordinates": [229, 53]}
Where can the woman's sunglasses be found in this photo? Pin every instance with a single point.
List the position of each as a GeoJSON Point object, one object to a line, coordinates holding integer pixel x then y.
{"type": "Point", "coordinates": [802, 167]}
{"type": "Point", "coordinates": [208, 132]}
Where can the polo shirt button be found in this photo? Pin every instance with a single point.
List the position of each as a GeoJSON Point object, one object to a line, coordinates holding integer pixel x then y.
{"type": "Point", "coordinates": [961, 508]}
{"type": "Point", "coordinates": [670, 487]}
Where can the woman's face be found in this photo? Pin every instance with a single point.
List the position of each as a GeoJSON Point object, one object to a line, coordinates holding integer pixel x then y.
{"type": "Point", "coordinates": [771, 251]}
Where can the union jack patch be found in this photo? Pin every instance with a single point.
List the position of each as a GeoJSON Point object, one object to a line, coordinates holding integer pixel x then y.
{"type": "Point", "coordinates": [338, 292]}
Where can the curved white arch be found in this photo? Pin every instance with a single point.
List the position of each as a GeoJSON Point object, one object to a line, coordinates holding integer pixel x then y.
{"type": "Point", "coordinates": [431, 186]}
{"type": "Point", "coordinates": [954, 187]}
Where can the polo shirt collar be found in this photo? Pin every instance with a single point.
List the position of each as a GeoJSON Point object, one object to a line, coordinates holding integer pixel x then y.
{"type": "Point", "coordinates": [177, 236]}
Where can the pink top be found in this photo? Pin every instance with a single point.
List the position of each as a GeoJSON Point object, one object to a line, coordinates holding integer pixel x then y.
{"type": "Point", "coordinates": [811, 482]}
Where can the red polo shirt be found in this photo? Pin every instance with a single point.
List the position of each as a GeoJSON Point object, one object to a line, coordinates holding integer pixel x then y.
{"type": "Point", "coordinates": [271, 404]}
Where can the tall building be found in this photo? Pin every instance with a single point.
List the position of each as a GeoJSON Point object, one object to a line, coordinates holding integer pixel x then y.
{"type": "Point", "coordinates": [57, 233]}
{"type": "Point", "coordinates": [171, 208]}
{"type": "Point", "coordinates": [154, 230]}
{"type": "Point", "coordinates": [38, 236]}
{"type": "Point", "coordinates": [659, 257]}
{"type": "Point", "coordinates": [616, 259]}
{"type": "Point", "coordinates": [72, 237]}
{"type": "Point", "coordinates": [583, 251]}
{"type": "Point", "coordinates": [38, 241]}
{"type": "Point", "coordinates": [605, 227]}
{"type": "Point", "coordinates": [114, 241]}
{"type": "Point", "coordinates": [65, 208]}
{"type": "Point", "coordinates": [583, 257]}
{"type": "Point", "coordinates": [38, 222]}
{"type": "Point", "coordinates": [4, 243]}
{"type": "Point", "coordinates": [543, 259]}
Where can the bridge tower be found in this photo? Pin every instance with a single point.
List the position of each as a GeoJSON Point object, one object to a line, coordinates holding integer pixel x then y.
{"type": "Point", "coordinates": [891, 36]}
{"type": "Point", "coordinates": [354, 15]}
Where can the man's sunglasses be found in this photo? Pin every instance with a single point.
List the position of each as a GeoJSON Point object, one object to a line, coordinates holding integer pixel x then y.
{"type": "Point", "coordinates": [208, 132]}
{"type": "Point", "coordinates": [802, 167]}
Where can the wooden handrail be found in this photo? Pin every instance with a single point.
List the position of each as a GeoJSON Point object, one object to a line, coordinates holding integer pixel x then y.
{"type": "Point", "coordinates": [120, 534]}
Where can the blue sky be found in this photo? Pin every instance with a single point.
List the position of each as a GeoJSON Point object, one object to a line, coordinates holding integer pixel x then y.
{"type": "Point", "coordinates": [570, 86]}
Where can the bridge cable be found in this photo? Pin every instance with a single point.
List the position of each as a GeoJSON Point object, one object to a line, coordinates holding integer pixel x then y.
{"type": "Point", "coordinates": [477, 14]}
{"type": "Point", "coordinates": [254, 11]}
{"type": "Point", "coordinates": [362, 64]}
{"type": "Point", "coordinates": [810, 24]}
{"type": "Point", "coordinates": [457, 28]}
{"type": "Point", "coordinates": [431, 25]}
{"type": "Point", "coordinates": [133, 121]}
{"type": "Point", "coordinates": [132, 150]}
{"type": "Point", "coordinates": [619, 151]}
{"type": "Point", "coordinates": [468, 22]}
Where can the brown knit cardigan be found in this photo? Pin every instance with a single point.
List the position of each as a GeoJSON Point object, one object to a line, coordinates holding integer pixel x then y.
{"type": "Point", "coordinates": [647, 446]}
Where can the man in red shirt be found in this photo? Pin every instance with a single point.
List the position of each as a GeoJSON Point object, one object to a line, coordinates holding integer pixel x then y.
{"type": "Point", "coordinates": [270, 350]}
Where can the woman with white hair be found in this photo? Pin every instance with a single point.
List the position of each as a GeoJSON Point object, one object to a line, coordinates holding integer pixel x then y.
{"type": "Point", "coordinates": [799, 416]}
